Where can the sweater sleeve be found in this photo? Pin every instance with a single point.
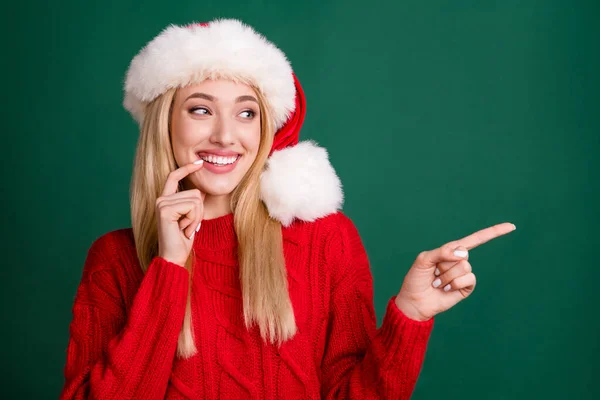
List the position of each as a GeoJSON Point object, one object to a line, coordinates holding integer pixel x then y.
{"type": "Point", "coordinates": [361, 361]}
{"type": "Point", "coordinates": [111, 355]}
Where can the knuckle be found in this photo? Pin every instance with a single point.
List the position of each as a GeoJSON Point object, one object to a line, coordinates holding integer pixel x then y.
{"type": "Point", "coordinates": [467, 267]}
{"type": "Point", "coordinates": [422, 255]}
{"type": "Point", "coordinates": [463, 265]}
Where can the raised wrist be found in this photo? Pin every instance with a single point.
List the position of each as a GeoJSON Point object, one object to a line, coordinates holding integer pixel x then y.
{"type": "Point", "coordinates": [410, 310]}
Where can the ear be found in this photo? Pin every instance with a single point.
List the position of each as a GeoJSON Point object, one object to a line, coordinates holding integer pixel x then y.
{"type": "Point", "coordinates": [299, 182]}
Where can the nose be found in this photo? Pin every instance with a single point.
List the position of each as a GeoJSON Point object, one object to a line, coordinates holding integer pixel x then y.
{"type": "Point", "coordinates": [222, 131]}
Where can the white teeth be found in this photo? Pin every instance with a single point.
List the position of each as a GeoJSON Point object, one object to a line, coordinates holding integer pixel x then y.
{"type": "Point", "coordinates": [219, 160]}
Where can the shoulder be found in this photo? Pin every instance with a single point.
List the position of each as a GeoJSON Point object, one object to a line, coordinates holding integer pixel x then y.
{"type": "Point", "coordinates": [112, 244]}
{"type": "Point", "coordinates": [333, 223]}
{"type": "Point", "coordinates": [334, 243]}
{"type": "Point", "coordinates": [112, 258]}
{"type": "Point", "coordinates": [303, 231]}
{"type": "Point", "coordinates": [335, 235]}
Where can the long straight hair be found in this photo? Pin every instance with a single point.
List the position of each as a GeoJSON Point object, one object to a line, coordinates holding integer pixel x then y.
{"type": "Point", "coordinates": [263, 275]}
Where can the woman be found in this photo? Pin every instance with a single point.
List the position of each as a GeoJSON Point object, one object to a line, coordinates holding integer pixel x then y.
{"type": "Point", "coordinates": [240, 277]}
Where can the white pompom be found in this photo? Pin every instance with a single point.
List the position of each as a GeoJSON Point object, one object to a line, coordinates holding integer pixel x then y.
{"type": "Point", "coordinates": [299, 182]}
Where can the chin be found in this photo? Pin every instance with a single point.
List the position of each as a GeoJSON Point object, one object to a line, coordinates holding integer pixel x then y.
{"type": "Point", "coordinates": [217, 188]}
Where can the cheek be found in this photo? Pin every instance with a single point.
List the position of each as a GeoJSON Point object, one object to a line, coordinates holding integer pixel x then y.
{"type": "Point", "coordinates": [252, 139]}
{"type": "Point", "coordinates": [184, 133]}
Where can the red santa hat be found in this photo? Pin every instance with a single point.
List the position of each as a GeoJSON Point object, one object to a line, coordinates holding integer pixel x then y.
{"type": "Point", "coordinates": [299, 182]}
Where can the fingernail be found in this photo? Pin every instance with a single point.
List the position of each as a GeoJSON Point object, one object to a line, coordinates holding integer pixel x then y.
{"type": "Point", "coordinates": [198, 228]}
{"type": "Point", "coordinates": [192, 235]}
{"type": "Point", "coordinates": [437, 272]}
{"type": "Point", "coordinates": [461, 253]}
{"type": "Point", "coordinates": [447, 287]}
{"type": "Point", "coordinates": [437, 282]}
{"type": "Point", "coordinates": [198, 162]}
{"type": "Point", "coordinates": [514, 227]}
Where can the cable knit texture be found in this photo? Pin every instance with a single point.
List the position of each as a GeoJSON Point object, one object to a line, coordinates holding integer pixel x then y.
{"type": "Point", "coordinates": [123, 335]}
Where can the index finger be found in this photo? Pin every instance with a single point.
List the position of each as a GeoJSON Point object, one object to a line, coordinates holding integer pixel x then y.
{"type": "Point", "coordinates": [175, 176]}
{"type": "Point", "coordinates": [485, 235]}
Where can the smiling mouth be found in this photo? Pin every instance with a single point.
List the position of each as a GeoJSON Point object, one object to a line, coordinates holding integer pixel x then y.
{"type": "Point", "coordinates": [219, 161]}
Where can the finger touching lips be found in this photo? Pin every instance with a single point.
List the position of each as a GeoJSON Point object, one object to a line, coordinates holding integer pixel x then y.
{"type": "Point", "coordinates": [175, 176]}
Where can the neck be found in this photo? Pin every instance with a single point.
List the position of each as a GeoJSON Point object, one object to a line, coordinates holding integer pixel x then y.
{"type": "Point", "coordinates": [217, 206]}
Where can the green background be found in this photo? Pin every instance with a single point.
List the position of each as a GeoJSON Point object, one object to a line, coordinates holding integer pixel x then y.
{"type": "Point", "coordinates": [441, 118]}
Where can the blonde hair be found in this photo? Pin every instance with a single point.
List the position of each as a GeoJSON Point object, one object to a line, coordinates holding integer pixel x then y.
{"type": "Point", "coordinates": [263, 276]}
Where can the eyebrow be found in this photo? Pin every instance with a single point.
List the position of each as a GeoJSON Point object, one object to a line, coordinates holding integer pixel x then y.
{"type": "Point", "coordinates": [208, 97]}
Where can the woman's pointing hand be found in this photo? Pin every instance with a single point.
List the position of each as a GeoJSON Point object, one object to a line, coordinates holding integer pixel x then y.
{"type": "Point", "coordinates": [440, 278]}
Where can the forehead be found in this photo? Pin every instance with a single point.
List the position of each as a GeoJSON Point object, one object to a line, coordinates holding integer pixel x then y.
{"type": "Point", "coordinates": [221, 89]}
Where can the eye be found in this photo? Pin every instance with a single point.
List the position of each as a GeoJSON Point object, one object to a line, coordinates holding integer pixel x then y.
{"type": "Point", "coordinates": [248, 114]}
{"type": "Point", "coordinates": [201, 110]}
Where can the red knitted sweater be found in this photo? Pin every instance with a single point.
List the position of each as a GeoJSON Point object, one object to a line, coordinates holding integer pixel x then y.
{"type": "Point", "coordinates": [123, 335]}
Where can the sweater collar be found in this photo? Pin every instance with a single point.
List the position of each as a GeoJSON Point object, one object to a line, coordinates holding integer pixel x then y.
{"type": "Point", "coordinates": [217, 233]}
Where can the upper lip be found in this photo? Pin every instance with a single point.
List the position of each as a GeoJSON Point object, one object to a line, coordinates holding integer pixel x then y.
{"type": "Point", "coordinates": [218, 153]}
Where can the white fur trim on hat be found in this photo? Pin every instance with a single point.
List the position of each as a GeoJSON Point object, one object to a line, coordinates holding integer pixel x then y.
{"type": "Point", "coordinates": [299, 182]}
{"type": "Point", "coordinates": [226, 49]}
